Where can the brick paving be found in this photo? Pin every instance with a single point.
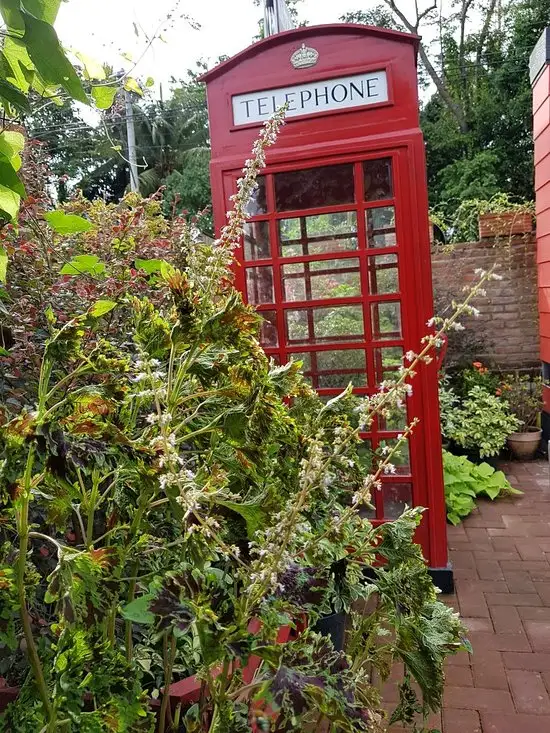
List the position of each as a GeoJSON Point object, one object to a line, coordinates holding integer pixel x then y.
{"type": "Point", "coordinates": [501, 559]}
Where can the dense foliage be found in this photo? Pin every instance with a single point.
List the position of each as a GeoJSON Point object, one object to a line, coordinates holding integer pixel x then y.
{"type": "Point", "coordinates": [466, 481]}
{"type": "Point", "coordinates": [170, 499]}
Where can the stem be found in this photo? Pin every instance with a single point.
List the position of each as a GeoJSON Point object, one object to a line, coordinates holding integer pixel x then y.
{"type": "Point", "coordinates": [131, 595]}
{"type": "Point", "coordinates": [32, 652]}
{"type": "Point", "coordinates": [169, 657]}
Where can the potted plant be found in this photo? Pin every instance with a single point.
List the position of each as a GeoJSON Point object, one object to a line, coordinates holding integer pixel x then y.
{"type": "Point", "coordinates": [524, 395]}
{"type": "Point", "coordinates": [502, 217]}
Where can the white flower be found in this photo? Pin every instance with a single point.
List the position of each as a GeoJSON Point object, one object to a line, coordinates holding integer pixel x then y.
{"type": "Point", "coordinates": [410, 356]}
{"type": "Point", "coordinates": [430, 323]}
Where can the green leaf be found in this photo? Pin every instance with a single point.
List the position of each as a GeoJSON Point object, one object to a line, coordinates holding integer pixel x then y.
{"type": "Point", "coordinates": [61, 662]}
{"type": "Point", "coordinates": [67, 223]}
{"type": "Point", "coordinates": [11, 94]}
{"type": "Point", "coordinates": [18, 67]}
{"type": "Point", "coordinates": [84, 265]}
{"type": "Point", "coordinates": [9, 202]}
{"type": "Point", "coordinates": [131, 85]}
{"type": "Point", "coordinates": [101, 307]}
{"type": "Point", "coordinates": [92, 68]}
{"type": "Point", "coordinates": [485, 470]}
{"type": "Point", "coordinates": [150, 266]}
{"type": "Point", "coordinates": [252, 513]}
{"type": "Point", "coordinates": [49, 58]}
{"type": "Point", "coordinates": [104, 96]}
{"type": "Point", "coordinates": [4, 352]}
{"type": "Point", "coordinates": [43, 9]}
{"type": "Point", "coordinates": [150, 82]}
{"type": "Point", "coordinates": [11, 12]}
{"type": "Point", "coordinates": [9, 177]}
{"type": "Point", "coordinates": [3, 264]}
{"type": "Point", "coordinates": [138, 610]}
{"type": "Point", "coordinates": [166, 269]}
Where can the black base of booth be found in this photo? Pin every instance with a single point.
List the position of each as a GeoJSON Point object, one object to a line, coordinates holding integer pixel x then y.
{"type": "Point", "coordinates": [442, 578]}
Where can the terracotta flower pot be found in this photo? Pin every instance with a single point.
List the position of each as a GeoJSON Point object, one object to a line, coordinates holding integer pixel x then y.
{"type": "Point", "coordinates": [505, 224]}
{"type": "Point", "coordinates": [524, 446]}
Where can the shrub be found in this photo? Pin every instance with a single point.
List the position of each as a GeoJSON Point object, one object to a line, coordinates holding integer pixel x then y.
{"type": "Point", "coordinates": [177, 498]}
{"type": "Point", "coordinates": [481, 423]}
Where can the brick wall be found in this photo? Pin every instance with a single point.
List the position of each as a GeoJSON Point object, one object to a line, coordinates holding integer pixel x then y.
{"type": "Point", "coordinates": [506, 334]}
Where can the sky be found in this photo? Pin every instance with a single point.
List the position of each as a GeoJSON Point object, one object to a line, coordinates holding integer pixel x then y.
{"type": "Point", "coordinates": [106, 29]}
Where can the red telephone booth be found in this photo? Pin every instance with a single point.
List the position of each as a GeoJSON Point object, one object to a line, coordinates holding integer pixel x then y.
{"type": "Point", "coordinates": [336, 254]}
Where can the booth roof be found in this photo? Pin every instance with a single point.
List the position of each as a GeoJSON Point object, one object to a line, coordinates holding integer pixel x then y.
{"type": "Point", "coordinates": [305, 32]}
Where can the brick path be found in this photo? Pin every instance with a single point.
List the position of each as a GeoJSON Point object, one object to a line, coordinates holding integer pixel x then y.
{"type": "Point", "coordinates": [501, 558]}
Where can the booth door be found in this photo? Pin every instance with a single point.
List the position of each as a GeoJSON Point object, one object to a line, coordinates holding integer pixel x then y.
{"type": "Point", "coordinates": [324, 258]}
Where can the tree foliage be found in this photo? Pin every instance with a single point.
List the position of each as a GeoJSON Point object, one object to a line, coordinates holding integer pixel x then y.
{"type": "Point", "coordinates": [477, 120]}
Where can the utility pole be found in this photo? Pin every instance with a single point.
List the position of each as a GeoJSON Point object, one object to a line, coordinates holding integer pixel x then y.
{"type": "Point", "coordinates": [131, 132]}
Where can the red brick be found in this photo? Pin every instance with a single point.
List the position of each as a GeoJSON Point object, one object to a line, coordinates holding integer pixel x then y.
{"type": "Point", "coordinates": [529, 550]}
{"type": "Point", "coordinates": [535, 662]}
{"type": "Point", "coordinates": [506, 620]}
{"type": "Point", "coordinates": [518, 581]}
{"type": "Point", "coordinates": [471, 599]}
{"type": "Point", "coordinates": [461, 721]}
{"type": "Point", "coordinates": [462, 659]}
{"type": "Point", "coordinates": [529, 692]}
{"type": "Point", "coordinates": [478, 698]}
{"type": "Point", "coordinates": [513, 599]}
{"type": "Point", "coordinates": [489, 570]}
{"type": "Point", "coordinates": [539, 634]}
{"type": "Point", "coordinates": [459, 676]}
{"type": "Point", "coordinates": [534, 614]}
{"type": "Point", "coordinates": [543, 589]}
{"type": "Point", "coordinates": [478, 624]}
{"type": "Point", "coordinates": [488, 670]}
{"type": "Point", "coordinates": [498, 723]}
{"type": "Point", "coordinates": [524, 566]}
{"type": "Point", "coordinates": [462, 558]}
{"type": "Point", "coordinates": [482, 642]}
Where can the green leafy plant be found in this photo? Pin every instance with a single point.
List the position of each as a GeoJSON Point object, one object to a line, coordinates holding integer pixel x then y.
{"type": "Point", "coordinates": [524, 395]}
{"type": "Point", "coordinates": [172, 499]}
{"type": "Point", "coordinates": [481, 423]}
{"type": "Point", "coordinates": [463, 225]}
{"type": "Point", "coordinates": [466, 481]}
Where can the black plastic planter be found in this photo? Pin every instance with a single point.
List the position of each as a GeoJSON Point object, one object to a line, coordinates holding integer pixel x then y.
{"type": "Point", "coordinates": [333, 626]}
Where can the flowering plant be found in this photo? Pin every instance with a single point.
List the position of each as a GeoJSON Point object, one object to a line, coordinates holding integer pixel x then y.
{"type": "Point", "coordinates": [175, 499]}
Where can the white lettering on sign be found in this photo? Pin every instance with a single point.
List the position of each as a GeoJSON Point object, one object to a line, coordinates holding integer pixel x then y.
{"type": "Point", "coordinates": [318, 96]}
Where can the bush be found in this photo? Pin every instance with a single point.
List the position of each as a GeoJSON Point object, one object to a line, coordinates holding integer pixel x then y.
{"type": "Point", "coordinates": [481, 423]}
{"type": "Point", "coordinates": [177, 499]}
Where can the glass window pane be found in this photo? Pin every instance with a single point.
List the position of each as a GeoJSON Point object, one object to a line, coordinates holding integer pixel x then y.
{"type": "Point", "coordinates": [257, 203]}
{"type": "Point", "coordinates": [314, 325]}
{"type": "Point", "coordinates": [311, 235]}
{"type": "Point", "coordinates": [256, 240]}
{"type": "Point", "coordinates": [400, 459]}
{"type": "Point", "coordinates": [386, 321]}
{"type": "Point", "coordinates": [307, 189]}
{"type": "Point", "coordinates": [269, 336]}
{"type": "Point", "coordinates": [383, 275]}
{"type": "Point", "coordinates": [334, 369]}
{"type": "Point", "coordinates": [321, 280]}
{"type": "Point", "coordinates": [378, 179]}
{"type": "Point", "coordinates": [397, 497]}
{"type": "Point", "coordinates": [387, 362]}
{"type": "Point", "coordinates": [259, 285]}
{"type": "Point", "coordinates": [381, 227]}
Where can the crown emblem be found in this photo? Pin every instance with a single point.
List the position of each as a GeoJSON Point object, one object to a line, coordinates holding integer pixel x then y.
{"type": "Point", "coordinates": [304, 57]}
